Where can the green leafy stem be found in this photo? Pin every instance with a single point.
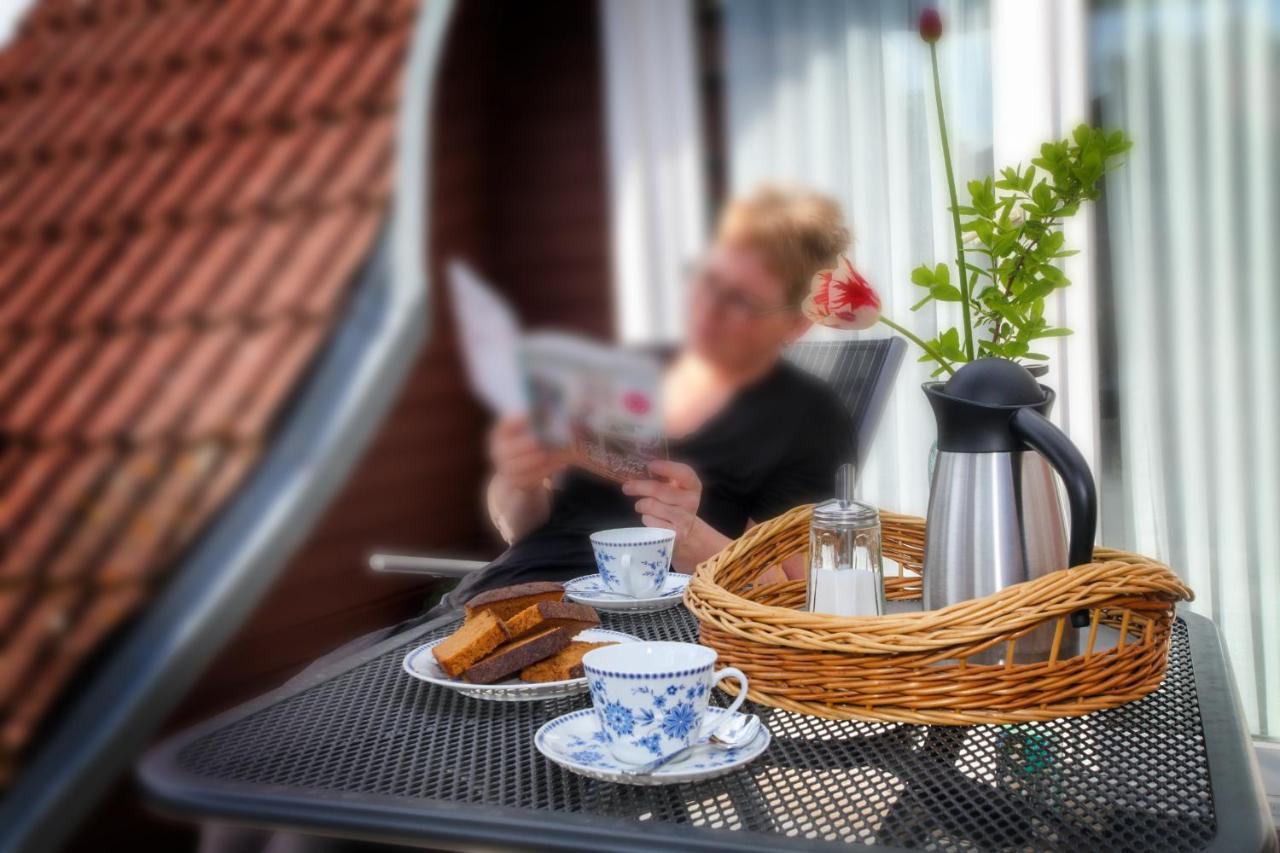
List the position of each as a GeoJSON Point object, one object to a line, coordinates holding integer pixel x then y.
{"type": "Point", "coordinates": [1014, 226]}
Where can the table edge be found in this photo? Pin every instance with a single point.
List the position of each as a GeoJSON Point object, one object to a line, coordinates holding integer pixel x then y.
{"type": "Point", "coordinates": [1239, 802]}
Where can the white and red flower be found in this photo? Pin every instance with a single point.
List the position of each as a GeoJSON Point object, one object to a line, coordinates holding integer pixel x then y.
{"type": "Point", "coordinates": [842, 299]}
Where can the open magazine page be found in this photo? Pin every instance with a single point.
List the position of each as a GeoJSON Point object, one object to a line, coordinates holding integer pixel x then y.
{"type": "Point", "coordinates": [598, 404]}
{"type": "Point", "coordinates": [489, 336]}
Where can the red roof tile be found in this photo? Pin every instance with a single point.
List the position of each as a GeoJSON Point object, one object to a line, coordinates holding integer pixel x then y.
{"type": "Point", "coordinates": [187, 191]}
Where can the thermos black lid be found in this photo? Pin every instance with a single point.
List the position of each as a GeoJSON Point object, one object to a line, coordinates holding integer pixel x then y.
{"type": "Point", "coordinates": [994, 382]}
{"type": "Point", "coordinates": [975, 407]}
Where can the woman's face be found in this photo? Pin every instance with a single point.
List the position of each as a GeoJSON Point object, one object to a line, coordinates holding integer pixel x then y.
{"type": "Point", "coordinates": [739, 318]}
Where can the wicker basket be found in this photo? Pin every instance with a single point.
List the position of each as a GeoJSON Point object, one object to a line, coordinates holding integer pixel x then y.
{"type": "Point", "coordinates": [913, 667]}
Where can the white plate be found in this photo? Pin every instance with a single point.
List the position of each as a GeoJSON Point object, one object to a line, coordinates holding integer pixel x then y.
{"type": "Point", "coordinates": [589, 589]}
{"type": "Point", "coordinates": [576, 743]}
{"type": "Point", "coordinates": [421, 664]}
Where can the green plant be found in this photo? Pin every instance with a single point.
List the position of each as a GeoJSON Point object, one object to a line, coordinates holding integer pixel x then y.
{"type": "Point", "coordinates": [1014, 225]}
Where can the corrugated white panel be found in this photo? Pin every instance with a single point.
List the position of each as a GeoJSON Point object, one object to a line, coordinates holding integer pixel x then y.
{"type": "Point", "coordinates": [657, 184]}
{"type": "Point", "coordinates": [1260, 212]}
{"type": "Point", "coordinates": [1192, 281]}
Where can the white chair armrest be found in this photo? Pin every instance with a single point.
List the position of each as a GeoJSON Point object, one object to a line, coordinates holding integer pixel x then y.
{"type": "Point", "coordinates": [444, 567]}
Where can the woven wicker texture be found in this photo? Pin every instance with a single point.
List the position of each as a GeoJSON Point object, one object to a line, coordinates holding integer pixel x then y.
{"type": "Point", "coordinates": [915, 667]}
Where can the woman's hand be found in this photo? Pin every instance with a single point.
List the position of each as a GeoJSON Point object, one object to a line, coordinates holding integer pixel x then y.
{"type": "Point", "coordinates": [671, 500]}
{"type": "Point", "coordinates": [518, 498]}
{"type": "Point", "coordinates": [519, 459]}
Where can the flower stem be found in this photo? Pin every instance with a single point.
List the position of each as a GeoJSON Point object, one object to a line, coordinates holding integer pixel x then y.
{"type": "Point", "coordinates": [963, 269]}
{"type": "Point", "coordinates": [915, 339]}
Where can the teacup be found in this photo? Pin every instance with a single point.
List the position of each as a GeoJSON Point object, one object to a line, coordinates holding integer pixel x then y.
{"type": "Point", "coordinates": [651, 698]}
{"type": "Point", "coordinates": [633, 561]}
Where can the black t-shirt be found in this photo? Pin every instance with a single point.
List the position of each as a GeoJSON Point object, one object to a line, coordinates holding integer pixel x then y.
{"type": "Point", "coordinates": [774, 445]}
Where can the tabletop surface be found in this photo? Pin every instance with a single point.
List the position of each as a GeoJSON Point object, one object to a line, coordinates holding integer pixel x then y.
{"type": "Point", "coordinates": [367, 750]}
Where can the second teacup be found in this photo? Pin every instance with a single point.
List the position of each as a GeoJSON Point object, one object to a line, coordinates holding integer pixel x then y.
{"type": "Point", "coordinates": [633, 561]}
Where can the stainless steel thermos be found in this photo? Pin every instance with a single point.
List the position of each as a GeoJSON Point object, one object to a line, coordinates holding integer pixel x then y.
{"type": "Point", "coordinates": [994, 513]}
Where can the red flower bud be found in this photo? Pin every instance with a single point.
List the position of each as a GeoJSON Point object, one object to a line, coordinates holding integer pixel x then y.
{"type": "Point", "coordinates": [930, 25]}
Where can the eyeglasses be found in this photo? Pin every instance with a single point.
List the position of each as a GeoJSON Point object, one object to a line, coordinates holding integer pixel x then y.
{"type": "Point", "coordinates": [705, 284]}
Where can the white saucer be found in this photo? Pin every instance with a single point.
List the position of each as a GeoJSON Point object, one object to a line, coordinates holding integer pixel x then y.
{"type": "Point", "coordinates": [589, 589]}
{"type": "Point", "coordinates": [576, 742]}
{"type": "Point", "coordinates": [421, 664]}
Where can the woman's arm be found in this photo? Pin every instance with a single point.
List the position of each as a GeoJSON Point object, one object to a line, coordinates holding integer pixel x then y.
{"type": "Point", "coordinates": [672, 502]}
{"type": "Point", "coordinates": [519, 493]}
{"type": "Point", "coordinates": [515, 511]}
{"type": "Point", "coordinates": [702, 542]}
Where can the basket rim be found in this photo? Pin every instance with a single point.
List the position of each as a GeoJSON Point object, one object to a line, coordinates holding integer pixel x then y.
{"type": "Point", "coordinates": [1118, 574]}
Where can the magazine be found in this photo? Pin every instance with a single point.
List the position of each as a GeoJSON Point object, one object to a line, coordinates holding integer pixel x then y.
{"type": "Point", "coordinates": [598, 405]}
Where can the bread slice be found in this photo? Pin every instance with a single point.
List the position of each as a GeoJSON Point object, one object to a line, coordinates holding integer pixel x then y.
{"type": "Point", "coordinates": [507, 601]}
{"type": "Point", "coordinates": [561, 666]}
{"type": "Point", "coordinates": [475, 639]}
{"type": "Point", "coordinates": [509, 659]}
{"type": "Point", "coordinates": [552, 614]}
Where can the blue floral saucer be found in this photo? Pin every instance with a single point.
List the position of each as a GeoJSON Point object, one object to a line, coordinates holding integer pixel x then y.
{"type": "Point", "coordinates": [589, 589]}
{"type": "Point", "coordinates": [576, 743]}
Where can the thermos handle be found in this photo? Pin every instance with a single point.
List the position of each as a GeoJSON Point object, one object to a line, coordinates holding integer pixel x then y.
{"type": "Point", "coordinates": [1082, 496]}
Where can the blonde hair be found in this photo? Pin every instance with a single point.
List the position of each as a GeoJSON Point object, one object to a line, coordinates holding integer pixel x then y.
{"type": "Point", "coordinates": [798, 231]}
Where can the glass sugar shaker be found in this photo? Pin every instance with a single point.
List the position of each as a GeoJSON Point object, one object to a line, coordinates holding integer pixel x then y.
{"type": "Point", "coordinates": [846, 569]}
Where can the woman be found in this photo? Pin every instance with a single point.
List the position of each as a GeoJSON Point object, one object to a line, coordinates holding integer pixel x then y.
{"type": "Point", "coordinates": [750, 436]}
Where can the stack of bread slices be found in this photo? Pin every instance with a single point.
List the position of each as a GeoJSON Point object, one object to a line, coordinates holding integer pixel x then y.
{"type": "Point", "coordinates": [527, 629]}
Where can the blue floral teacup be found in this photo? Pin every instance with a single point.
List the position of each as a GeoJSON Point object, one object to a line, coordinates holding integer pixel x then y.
{"type": "Point", "coordinates": [633, 561]}
{"type": "Point", "coordinates": [651, 698]}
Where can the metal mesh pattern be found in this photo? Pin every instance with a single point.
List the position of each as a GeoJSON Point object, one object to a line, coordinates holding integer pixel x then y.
{"type": "Point", "coordinates": [1132, 778]}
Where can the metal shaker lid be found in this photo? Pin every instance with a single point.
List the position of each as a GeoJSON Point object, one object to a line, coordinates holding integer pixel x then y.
{"type": "Point", "coordinates": [843, 510]}
{"type": "Point", "coordinates": [838, 513]}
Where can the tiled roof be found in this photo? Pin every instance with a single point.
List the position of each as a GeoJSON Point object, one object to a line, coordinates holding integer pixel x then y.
{"type": "Point", "coordinates": [187, 190]}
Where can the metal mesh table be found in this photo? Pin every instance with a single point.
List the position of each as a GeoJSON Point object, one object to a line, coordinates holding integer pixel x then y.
{"type": "Point", "coordinates": [360, 748]}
